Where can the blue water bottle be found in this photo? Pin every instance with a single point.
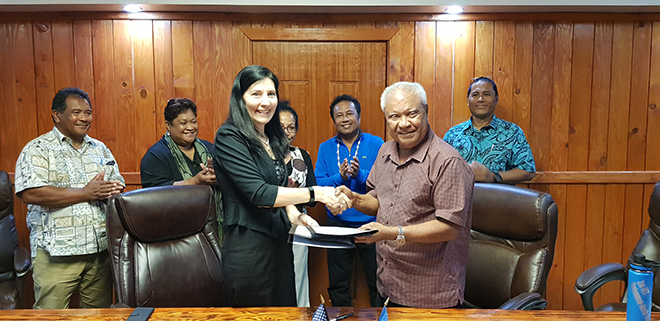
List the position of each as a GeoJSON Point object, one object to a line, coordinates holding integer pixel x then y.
{"type": "Point", "coordinates": [640, 288]}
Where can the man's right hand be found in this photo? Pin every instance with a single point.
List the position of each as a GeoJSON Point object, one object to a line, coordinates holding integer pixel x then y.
{"type": "Point", "coordinates": [346, 194]}
{"type": "Point", "coordinates": [100, 189]}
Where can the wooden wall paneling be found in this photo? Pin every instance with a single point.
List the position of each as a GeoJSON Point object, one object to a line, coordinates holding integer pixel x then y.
{"type": "Point", "coordinates": [84, 62]}
{"type": "Point", "coordinates": [617, 140]}
{"type": "Point", "coordinates": [576, 202]}
{"type": "Point", "coordinates": [163, 71]}
{"type": "Point", "coordinates": [182, 59]}
{"type": "Point", "coordinates": [653, 121]}
{"type": "Point", "coordinates": [639, 94]}
{"type": "Point", "coordinates": [242, 47]}
{"type": "Point", "coordinates": [444, 79]}
{"type": "Point", "coordinates": [205, 72]}
{"type": "Point", "coordinates": [600, 93]}
{"type": "Point", "coordinates": [600, 103]}
{"type": "Point", "coordinates": [425, 62]}
{"type": "Point", "coordinates": [62, 32]}
{"type": "Point", "coordinates": [44, 74]}
{"type": "Point", "coordinates": [224, 73]}
{"type": "Point", "coordinates": [503, 58]}
{"type": "Point", "coordinates": [144, 91]}
{"type": "Point", "coordinates": [522, 75]}
{"type": "Point", "coordinates": [5, 79]}
{"type": "Point", "coordinates": [82, 56]}
{"type": "Point", "coordinates": [372, 74]}
{"type": "Point", "coordinates": [21, 103]}
{"type": "Point", "coordinates": [123, 97]}
{"type": "Point", "coordinates": [483, 48]}
{"type": "Point", "coordinates": [542, 91]}
{"type": "Point", "coordinates": [401, 54]}
{"type": "Point", "coordinates": [22, 41]}
{"type": "Point", "coordinates": [464, 57]}
{"type": "Point", "coordinates": [561, 94]}
{"type": "Point", "coordinates": [104, 82]}
{"type": "Point", "coordinates": [636, 152]}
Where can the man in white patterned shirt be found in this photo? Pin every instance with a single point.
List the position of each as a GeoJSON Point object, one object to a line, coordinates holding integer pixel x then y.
{"type": "Point", "coordinates": [66, 177]}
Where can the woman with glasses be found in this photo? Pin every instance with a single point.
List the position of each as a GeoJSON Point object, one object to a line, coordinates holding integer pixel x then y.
{"type": "Point", "coordinates": [300, 169]}
{"type": "Point", "coordinates": [180, 158]}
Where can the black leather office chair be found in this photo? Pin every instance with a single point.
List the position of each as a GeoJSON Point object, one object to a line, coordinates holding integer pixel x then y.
{"type": "Point", "coordinates": [511, 248]}
{"type": "Point", "coordinates": [164, 247]}
{"type": "Point", "coordinates": [14, 260]}
{"type": "Point", "coordinates": [649, 245]}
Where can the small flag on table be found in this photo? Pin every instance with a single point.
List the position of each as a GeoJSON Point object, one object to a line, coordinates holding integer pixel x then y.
{"type": "Point", "coordinates": [383, 313]}
{"type": "Point", "coordinates": [320, 314]}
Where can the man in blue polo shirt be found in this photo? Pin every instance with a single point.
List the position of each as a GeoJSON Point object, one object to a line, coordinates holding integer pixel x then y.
{"type": "Point", "coordinates": [497, 150]}
{"type": "Point", "coordinates": [346, 159]}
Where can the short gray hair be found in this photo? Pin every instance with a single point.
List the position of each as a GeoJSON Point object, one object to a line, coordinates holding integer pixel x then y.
{"type": "Point", "coordinates": [405, 86]}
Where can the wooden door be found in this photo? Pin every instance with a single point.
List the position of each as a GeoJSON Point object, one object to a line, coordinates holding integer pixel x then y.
{"type": "Point", "coordinates": [311, 75]}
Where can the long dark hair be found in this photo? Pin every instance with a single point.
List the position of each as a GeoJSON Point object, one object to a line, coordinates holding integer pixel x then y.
{"type": "Point", "coordinates": [239, 117]}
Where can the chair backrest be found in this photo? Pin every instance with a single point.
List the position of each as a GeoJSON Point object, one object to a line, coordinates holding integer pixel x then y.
{"type": "Point", "coordinates": [512, 243]}
{"type": "Point", "coordinates": [164, 247]}
{"type": "Point", "coordinates": [649, 243]}
{"type": "Point", "coordinates": [8, 236]}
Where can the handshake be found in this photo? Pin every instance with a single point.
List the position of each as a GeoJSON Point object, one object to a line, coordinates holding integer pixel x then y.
{"type": "Point", "coordinates": [336, 199]}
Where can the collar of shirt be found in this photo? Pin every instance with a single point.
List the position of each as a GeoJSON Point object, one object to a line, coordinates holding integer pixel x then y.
{"type": "Point", "coordinates": [468, 128]}
{"type": "Point", "coordinates": [62, 137]}
{"type": "Point", "coordinates": [338, 139]}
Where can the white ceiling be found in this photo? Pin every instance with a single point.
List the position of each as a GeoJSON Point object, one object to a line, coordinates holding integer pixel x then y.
{"type": "Point", "coordinates": [337, 6]}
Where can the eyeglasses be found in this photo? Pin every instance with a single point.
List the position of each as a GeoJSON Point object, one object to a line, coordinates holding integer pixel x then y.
{"type": "Point", "coordinates": [290, 129]}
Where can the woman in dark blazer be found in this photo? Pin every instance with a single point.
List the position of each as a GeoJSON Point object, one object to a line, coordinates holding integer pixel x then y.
{"type": "Point", "coordinates": [249, 163]}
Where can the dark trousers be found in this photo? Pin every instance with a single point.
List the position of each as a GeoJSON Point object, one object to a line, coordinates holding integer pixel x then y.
{"type": "Point", "coordinates": [340, 266]}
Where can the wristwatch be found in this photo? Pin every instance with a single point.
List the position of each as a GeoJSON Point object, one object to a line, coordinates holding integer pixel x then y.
{"type": "Point", "coordinates": [498, 177]}
{"type": "Point", "coordinates": [400, 239]}
{"type": "Point", "coordinates": [312, 199]}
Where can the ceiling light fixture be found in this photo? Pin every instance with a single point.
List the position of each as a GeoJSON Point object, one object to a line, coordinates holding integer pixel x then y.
{"type": "Point", "coordinates": [454, 10]}
{"type": "Point", "coordinates": [132, 8]}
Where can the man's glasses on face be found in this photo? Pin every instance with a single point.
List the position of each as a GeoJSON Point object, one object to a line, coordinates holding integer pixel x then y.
{"type": "Point", "coordinates": [289, 129]}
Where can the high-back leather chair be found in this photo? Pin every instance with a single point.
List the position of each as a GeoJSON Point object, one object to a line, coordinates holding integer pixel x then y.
{"type": "Point", "coordinates": [511, 248]}
{"type": "Point", "coordinates": [164, 247]}
{"type": "Point", "coordinates": [14, 260]}
{"type": "Point", "coordinates": [648, 244]}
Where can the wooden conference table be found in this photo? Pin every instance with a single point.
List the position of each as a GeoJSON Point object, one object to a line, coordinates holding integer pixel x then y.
{"type": "Point", "coordinates": [361, 314]}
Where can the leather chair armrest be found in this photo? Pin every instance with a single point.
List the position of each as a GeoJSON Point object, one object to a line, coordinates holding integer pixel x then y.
{"type": "Point", "coordinates": [592, 279]}
{"type": "Point", "coordinates": [525, 301]}
{"type": "Point", "coordinates": [22, 261]}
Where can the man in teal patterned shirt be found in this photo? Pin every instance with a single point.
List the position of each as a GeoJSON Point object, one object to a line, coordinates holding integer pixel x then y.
{"type": "Point", "coordinates": [497, 150]}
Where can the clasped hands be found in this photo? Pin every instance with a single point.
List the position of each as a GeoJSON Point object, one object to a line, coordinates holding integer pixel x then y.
{"type": "Point", "coordinates": [351, 169]}
{"type": "Point", "coordinates": [334, 199]}
{"type": "Point", "coordinates": [100, 189]}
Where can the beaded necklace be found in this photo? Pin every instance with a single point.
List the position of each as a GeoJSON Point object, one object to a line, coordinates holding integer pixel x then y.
{"type": "Point", "coordinates": [357, 149]}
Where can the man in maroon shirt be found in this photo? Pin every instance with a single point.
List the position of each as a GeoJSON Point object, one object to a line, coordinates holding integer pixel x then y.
{"type": "Point", "coordinates": [420, 190]}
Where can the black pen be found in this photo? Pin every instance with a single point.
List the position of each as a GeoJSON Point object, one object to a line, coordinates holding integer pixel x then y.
{"type": "Point", "coordinates": [341, 317]}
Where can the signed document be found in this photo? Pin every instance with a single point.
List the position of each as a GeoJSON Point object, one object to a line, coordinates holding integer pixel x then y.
{"type": "Point", "coordinates": [331, 237]}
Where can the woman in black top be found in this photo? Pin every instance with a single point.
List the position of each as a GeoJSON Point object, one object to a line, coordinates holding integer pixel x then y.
{"type": "Point", "coordinates": [249, 161]}
{"type": "Point", "coordinates": [180, 158]}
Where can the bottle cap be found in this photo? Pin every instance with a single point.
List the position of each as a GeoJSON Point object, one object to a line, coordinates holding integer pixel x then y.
{"type": "Point", "coordinates": [640, 260]}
